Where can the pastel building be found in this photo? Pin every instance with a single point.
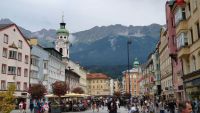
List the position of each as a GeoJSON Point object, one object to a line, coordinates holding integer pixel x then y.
{"type": "Point", "coordinates": [14, 61]}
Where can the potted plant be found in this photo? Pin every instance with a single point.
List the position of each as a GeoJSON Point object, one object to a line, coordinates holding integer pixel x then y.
{"type": "Point", "coordinates": [59, 88]}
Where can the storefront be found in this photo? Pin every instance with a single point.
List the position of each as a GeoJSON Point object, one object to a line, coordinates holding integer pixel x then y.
{"type": "Point", "coordinates": [192, 88]}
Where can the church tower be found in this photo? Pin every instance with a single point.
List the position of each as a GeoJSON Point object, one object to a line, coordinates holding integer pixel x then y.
{"type": "Point", "coordinates": [62, 42]}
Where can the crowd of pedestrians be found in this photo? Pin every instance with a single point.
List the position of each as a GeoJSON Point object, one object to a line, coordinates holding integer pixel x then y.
{"type": "Point", "coordinates": [160, 106]}
{"type": "Point", "coordinates": [135, 105]}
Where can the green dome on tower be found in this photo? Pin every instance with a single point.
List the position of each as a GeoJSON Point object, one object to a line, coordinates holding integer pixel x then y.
{"type": "Point", "coordinates": [136, 63]}
{"type": "Point", "coordinates": [62, 29]}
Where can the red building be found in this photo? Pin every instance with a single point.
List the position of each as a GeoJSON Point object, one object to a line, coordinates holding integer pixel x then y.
{"type": "Point", "coordinates": [171, 35]}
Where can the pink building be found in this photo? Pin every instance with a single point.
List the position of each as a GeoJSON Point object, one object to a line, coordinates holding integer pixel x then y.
{"type": "Point", "coordinates": [176, 63]}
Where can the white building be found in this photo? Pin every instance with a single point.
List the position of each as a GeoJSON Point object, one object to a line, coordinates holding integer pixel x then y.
{"type": "Point", "coordinates": [62, 45]}
{"type": "Point", "coordinates": [56, 68]}
{"type": "Point", "coordinates": [81, 72]}
{"type": "Point", "coordinates": [14, 61]}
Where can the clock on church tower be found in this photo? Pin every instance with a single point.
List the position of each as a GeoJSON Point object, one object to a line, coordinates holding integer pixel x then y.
{"type": "Point", "coordinates": [62, 41]}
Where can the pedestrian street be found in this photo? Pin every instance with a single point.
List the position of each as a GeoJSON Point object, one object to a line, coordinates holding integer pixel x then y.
{"type": "Point", "coordinates": [105, 110]}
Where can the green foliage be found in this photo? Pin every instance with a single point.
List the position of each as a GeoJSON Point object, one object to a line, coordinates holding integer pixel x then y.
{"type": "Point", "coordinates": [37, 91]}
{"type": "Point", "coordinates": [7, 99]}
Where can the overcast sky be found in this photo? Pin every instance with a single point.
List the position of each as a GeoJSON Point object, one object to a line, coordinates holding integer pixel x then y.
{"type": "Point", "coordinates": [81, 15]}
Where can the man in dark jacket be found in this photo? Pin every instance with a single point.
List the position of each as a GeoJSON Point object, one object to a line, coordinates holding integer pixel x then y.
{"type": "Point", "coordinates": [112, 106]}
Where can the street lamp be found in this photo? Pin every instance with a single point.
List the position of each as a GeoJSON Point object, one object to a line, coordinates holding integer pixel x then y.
{"type": "Point", "coordinates": [129, 43]}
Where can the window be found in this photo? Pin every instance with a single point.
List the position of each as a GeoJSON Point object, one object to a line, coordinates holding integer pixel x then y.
{"type": "Point", "coordinates": [26, 59]}
{"type": "Point", "coordinates": [195, 5]}
{"type": "Point", "coordinates": [189, 10]}
{"type": "Point", "coordinates": [189, 7]}
{"type": "Point", "coordinates": [20, 44]}
{"type": "Point", "coordinates": [198, 29]}
{"type": "Point", "coordinates": [19, 56]}
{"type": "Point", "coordinates": [191, 33]}
{"type": "Point", "coordinates": [179, 15]}
{"type": "Point", "coordinates": [11, 70]}
{"type": "Point", "coordinates": [182, 40]}
{"type": "Point", "coordinates": [25, 72]}
{"type": "Point", "coordinates": [5, 51]}
{"type": "Point", "coordinates": [3, 85]}
{"type": "Point", "coordinates": [61, 50]}
{"type": "Point", "coordinates": [5, 38]}
{"type": "Point", "coordinates": [34, 61]}
{"type": "Point", "coordinates": [19, 71]}
{"type": "Point", "coordinates": [12, 54]}
{"type": "Point", "coordinates": [45, 65]}
{"type": "Point", "coordinates": [25, 86]}
{"type": "Point", "coordinates": [193, 63]}
{"type": "Point", "coordinates": [18, 86]}
{"type": "Point", "coordinates": [3, 69]}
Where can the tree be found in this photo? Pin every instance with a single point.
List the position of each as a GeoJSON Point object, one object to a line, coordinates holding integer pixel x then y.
{"type": "Point", "coordinates": [37, 91]}
{"type": "Point", "coordinates": [7, 99]}
{"type": "Point", "coordinates": [59, 88]}
{"type": "Point", "coordinates": [78, 90]}
{"type": "Point", "coordinates": [117, 94]}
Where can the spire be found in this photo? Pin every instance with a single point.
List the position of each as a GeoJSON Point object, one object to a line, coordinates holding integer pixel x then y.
{"type": "Point", "coordinates": [62, 17]}
{"type": "Point", "coordinates": [62, 24]}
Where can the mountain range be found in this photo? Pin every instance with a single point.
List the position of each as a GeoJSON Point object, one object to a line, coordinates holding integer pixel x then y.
{"type": "Point", "coordinates": [104, 49]}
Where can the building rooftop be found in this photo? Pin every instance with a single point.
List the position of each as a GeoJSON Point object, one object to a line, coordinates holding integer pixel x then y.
{"type": "Point", "coordinates": [97, 76]}
{"type": "Point", "coordinates": [2, 26]}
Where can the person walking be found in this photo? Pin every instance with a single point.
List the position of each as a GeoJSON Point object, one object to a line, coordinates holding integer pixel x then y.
{"type": "Point", "coordinates": [24, 107]}
{"type": "Point", "coordinates": [93, 106]}
{"type": "Point", "coordinates": [31, 106]}
{"type": "Point", "coordinates": [112, 106]}
{"type": "Point", "coordinates": [185, 107]}
{"type": "Point", "coordinates": [21, 107]}
{"type": "Point", "coordinates": [46, 107]}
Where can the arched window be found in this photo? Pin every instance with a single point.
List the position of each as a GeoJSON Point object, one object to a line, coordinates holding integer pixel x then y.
{"type": "Point", "coordinates": [194, 63]}
{"type": "Point", "coordinates": [60, 36]}
{"type": "Point", "coordinates": [67, 51]}
{"type": "Point", "coordinates": [61, 50]}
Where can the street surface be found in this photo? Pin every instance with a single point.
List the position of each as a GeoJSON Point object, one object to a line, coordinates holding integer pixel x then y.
{"type": "Point", "coordinates": [121, 110]}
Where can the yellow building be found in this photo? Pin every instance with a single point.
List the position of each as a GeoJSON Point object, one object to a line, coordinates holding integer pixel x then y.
{"type": "Point", "coordinates": [165, 66]}
{"type": "Point", "coordinates": [98, 84]}
{"type": "Point", "coordinates": [132, 76]}
{"type": "Point", "coordinates": [187, 21]}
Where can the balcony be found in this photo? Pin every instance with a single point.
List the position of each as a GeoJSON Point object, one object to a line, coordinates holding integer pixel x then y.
{"type": "Point", "coordinates": [184, 52]}
{"type": "Point", "coordinates": [182, 25]}
{"type": "Point", "coordinates": [45, 71]}
{"type": "Point", "coordinates": [35, 68]}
